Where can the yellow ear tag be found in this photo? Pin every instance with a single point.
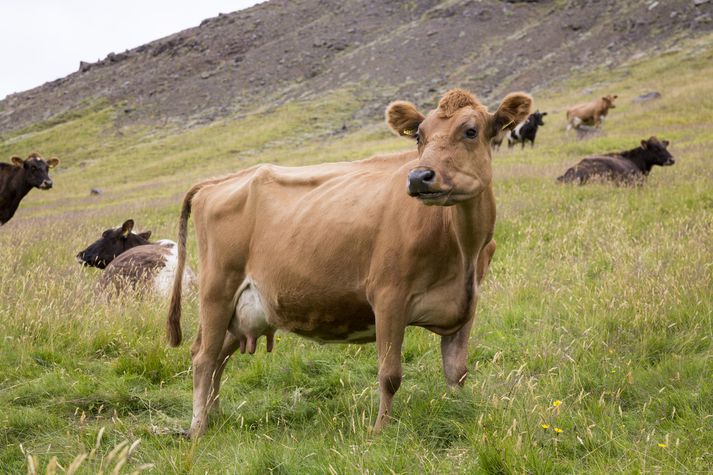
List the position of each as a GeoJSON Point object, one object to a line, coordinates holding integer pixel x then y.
{"type": "Point", "coordinates": [408, 132]}
{"type": "Point", "coordinates": [507, 125]}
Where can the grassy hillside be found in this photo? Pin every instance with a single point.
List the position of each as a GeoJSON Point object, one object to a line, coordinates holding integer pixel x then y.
{"type": "Point", "coordinates": [592, 348]}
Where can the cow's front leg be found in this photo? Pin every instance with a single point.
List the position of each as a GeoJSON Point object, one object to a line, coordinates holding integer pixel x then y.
{"type": "Point", "coordinates": [454, 351]}
{"type": "Point", "coordinates": [390, 329]}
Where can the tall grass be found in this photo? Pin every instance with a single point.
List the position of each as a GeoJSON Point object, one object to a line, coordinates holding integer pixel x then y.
{"type": "Point", "coordinates": [591, 351]}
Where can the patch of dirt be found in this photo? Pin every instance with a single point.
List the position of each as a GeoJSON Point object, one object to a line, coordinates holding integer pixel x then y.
{"type": "Point", "coordinates": [282, 50]}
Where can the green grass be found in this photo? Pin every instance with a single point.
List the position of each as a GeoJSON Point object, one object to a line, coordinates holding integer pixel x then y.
{"type": "Point", "coordinates": [599, 297]}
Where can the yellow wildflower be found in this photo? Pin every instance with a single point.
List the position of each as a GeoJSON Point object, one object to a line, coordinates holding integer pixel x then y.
{"type": "Point", "coordinates": [558, 430]}
{"type": "Point", "coordinates": [557, 403]}
{"type": "Point", "coordinates": [545, 426]}
{"type": "Point", "coordinates": [663, 446]}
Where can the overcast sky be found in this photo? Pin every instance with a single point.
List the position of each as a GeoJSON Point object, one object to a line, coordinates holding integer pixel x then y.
{"type": "Point", "coordinates": [43, 40]}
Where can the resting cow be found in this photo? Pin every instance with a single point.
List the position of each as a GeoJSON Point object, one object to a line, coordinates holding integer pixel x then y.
{"type": "Point", "coordinates": [341, 252]}
{"type": "Point", "coordinates": [526, 130]}
{"type": "Point", "coordinates": [590, 113]}
{"type": "Point", "coordinates": [629, 167]}
{"type": "Point", "coordinates": [131, 261]}
{"type": "Point", "coordinates": [18, 178]}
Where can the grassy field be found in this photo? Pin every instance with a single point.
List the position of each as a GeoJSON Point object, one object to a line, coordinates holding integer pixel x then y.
{"type": "Point", "coordinates": [592, 349]}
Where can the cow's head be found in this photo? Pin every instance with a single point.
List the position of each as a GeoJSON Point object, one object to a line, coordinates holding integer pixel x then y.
{"type": "Point", "coordinates": [113, 242]}
{"type": "Point", "coordinates": [536, 117]}
{"type": "Point", "coordinates": [36, 170]}
{"type": "Point", "coordinates": [657, 153]}
{"type": "Point", "coordinates": [609, 101]}
{"type": "Point", "coordinates": [453, 143]}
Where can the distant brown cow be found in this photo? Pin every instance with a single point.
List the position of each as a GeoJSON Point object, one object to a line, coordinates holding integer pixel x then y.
{"type": "Point", "coordinates": [18, 178]}
{"type": "Point", "coordinates": [339, 252]}
{"type": "Point", "coordinates": [628, 167]}
{"type": "Point", "coordinates": [590, 113]}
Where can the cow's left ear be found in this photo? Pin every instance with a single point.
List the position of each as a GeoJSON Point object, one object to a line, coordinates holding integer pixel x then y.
{"type": "Point", "coordinates": [514, 109]}
{"type": "Point", "coordinates": [127, 227]}
{"type": "Point", "coordinates": [403, 118]}
{"type": "Point", "coordinates": [17, 161]}
{"type": "Point", "coordinates": [544, 114]}
{"type": "Point", "coordinates": [665, 143]}
{"type": "Point", "coordinates": [145, 235]}
{"type": "Point", "coordinates": [53, 162]}
{"type": "Point", "coordinates": [644, 144]}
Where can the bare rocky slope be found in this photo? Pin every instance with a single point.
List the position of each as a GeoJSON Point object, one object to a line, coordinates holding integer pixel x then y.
{"type": "Point", "coordinates": [286, 49]}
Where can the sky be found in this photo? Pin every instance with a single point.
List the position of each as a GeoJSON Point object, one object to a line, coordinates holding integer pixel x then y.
{"type": "Point", "coordinates": [43, 40]}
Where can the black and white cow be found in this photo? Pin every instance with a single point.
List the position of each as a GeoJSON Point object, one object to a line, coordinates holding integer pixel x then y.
{"type": "Point", "coordinates": [526, 130]}
{"type": "Point", "coordinates": [130, 261]}
{"type": "Point", "coordinates": [18, 178]}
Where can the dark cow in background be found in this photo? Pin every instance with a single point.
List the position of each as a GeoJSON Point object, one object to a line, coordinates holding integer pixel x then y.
{"type": "Point", "coordinates": [113, 241]}
{"type": "Point", "coordinates": [18, 178]}
{"type": "Point", "coordinates": [526, 130]}
{"type": "Point", "coordinates": [628, 167]}
{"type": "Point", "coordinates": [132, 262]}
{"type": "Point", "coordinates": [590, 113]}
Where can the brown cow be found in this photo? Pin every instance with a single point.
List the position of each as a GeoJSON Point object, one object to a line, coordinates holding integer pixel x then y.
{"type": "Point", "coordinates": [339, 252]}
{"type": "Point", "coordinates": [18, 178]}
{"type": "Point", "coordinates": [590, 113]}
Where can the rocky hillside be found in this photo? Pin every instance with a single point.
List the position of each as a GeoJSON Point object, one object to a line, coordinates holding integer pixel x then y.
{"type": "Point", "coordinates": [286, 49]}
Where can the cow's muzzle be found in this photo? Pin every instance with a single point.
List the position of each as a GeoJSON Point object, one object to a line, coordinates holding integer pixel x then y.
{"type": "Point", "coordinates": [45, 185]}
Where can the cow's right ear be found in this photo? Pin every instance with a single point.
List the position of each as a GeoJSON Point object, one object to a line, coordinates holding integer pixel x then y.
{"type": "Point", "coordinates": [53, 162]}
{"type": "Point", "coordinates": [403, 118]}
{"type": "Point", "coordinates": [17, 161]}
{"type": "Point", "coordinates": [127, 227]}
{"type": "Point", "coordinates": [514, 109]}
{"type": "Point", "coordinates": [644, 144]}
{"type": "Point", "coordinates": [145, 235]}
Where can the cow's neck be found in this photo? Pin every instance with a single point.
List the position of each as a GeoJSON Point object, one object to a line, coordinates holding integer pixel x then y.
{"type": "Point", "coordinates": [17, 189]}
{"type": "Point", "coordinates": [638, 157]}
{"type": "Point", "coordinates": [470, 219]}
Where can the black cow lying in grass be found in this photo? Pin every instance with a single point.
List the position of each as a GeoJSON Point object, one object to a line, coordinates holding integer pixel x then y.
{"type": "Point", "coordinates": [18, 178]}
{"type": "Point", "coordinates": [526, 130]}
{"type": "Point", "coordinates": [626, 168]}
{"type": "Point", "coordinates": [131, 261]}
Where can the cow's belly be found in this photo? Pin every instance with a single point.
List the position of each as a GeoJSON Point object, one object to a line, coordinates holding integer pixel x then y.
{"type": "Point", "coordinates": [320, 318]}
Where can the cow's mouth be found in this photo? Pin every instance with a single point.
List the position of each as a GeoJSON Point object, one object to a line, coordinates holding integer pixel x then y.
{"type": "Point", "coordinates": [669, 162]}
{"type": "Point", "coordinates": [442, 198]}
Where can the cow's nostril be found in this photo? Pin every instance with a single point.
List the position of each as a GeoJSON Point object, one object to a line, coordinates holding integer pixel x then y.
{"type": "Point", "coordinates": [428, 175]}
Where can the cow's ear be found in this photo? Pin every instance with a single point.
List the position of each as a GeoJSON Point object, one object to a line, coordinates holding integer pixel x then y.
{"type": "Point", "coordinates": [544, 114]}
{"type": "Point", "coordinates": [514, 109]}
{"type": "Point", "coordinates": [614, 96]}
{"type": "Point", "coordinates": [665, 143]}
{"type": "Point", "coordinates": [17, 161]}
{"type": "Point", "coordinates": [127, 227]}
{"type": "Point", "coordinates": [403, 118]}
{"type": "Point", "coordinates": [53, 162]}
{"type": "Point", "coordinates": [145, 235]}
{"type": "Point", "coordinates": [644, 144]}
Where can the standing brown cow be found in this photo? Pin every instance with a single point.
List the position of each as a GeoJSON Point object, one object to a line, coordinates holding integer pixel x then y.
{"type": "Point", "coordinates": [590, 113]}
{"type": "Point", "coordinates": [342, 252]}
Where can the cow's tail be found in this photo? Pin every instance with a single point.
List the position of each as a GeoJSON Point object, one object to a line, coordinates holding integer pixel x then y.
{"type": "Point", "coordinates": [173, 324]}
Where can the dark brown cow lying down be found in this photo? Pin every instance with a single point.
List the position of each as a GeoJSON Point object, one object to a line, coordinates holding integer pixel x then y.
{"type": "Point", "coordinates": [132, 262]}
{"type": "Point", "coordinates": [628, 167]}
{"type": "Point", "coordinates": [344, 252]}
{"type": "Point", "coordinates": [18, 178]}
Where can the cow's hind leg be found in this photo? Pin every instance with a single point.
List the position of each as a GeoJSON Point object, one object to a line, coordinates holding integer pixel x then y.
{"type": "Point", "coordinates": [216, 308]}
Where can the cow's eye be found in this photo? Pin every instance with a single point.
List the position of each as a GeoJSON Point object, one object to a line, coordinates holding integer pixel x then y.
{"type": "Point", "coordinates": [471, 133]}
